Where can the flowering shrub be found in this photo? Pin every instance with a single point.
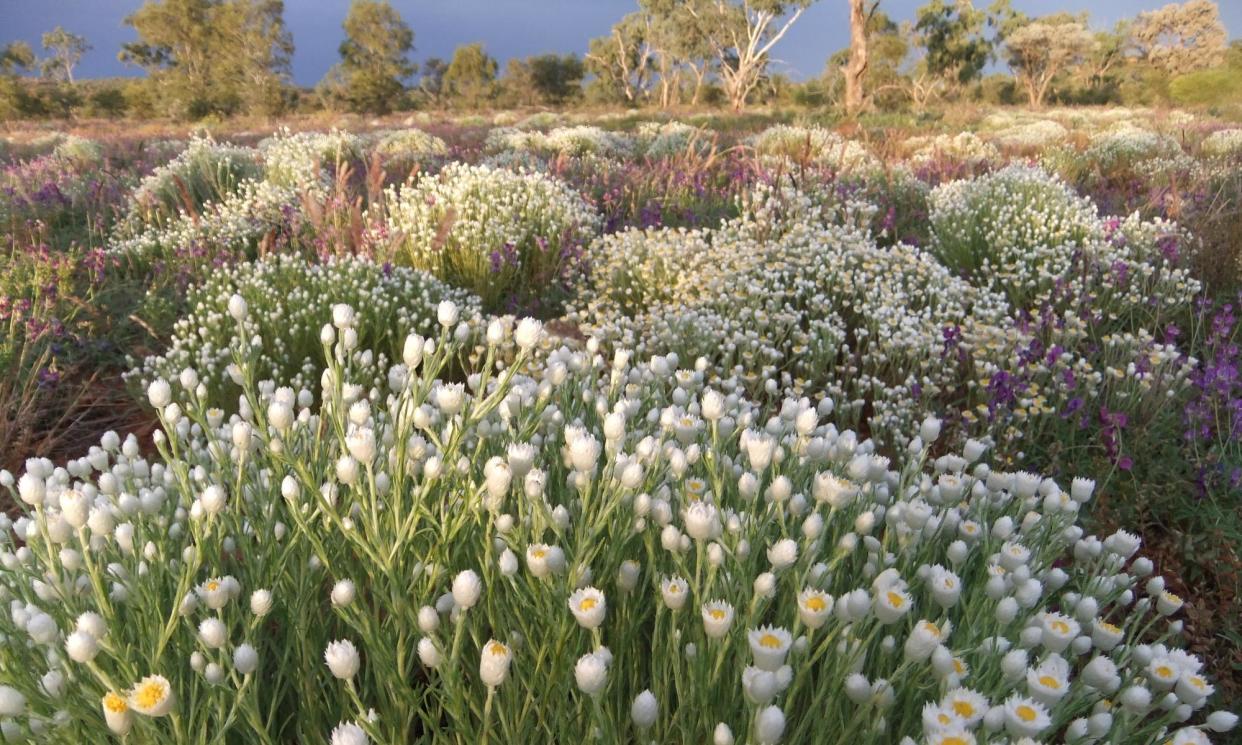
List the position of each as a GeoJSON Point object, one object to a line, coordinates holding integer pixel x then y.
{"type": "Point", "coordinates": [223, 230]}
{"type": "Point", "coordinates": [577, 141]}
{"type": "Point", "coordinates": [1016, 229]}
{"type": "Point", "coordinates": [563, 550]}
{"type": "Point", "coordinates": [890, 203]}
{"type": "Point", "coordinates": [303, 160]}
{"type": "Point", "coordinates": [964, 147]}
{"type": "Point", "coordinates": [669, 139]}
{"type": "Point", "coordinates": [511, 238]}
{"type": "Point", "coordinates": [204, 172]}
{"type": "Point", "coordinates": [804, 309]}
{"type": "Point", "coordinates": [1128, 146]}
{"type": "Point", "coordinates": [1030, 135]}
{"type": "Point", "coordinates": [1224, 142]}
{"type": "Point", "coordinates": [286, 299]}
{"type": "Point", "coordinates": [812, 145]}
{"type": "Point", "coordinates": [408, 148]}
{"type": "Point", "coordinates": [79, 151]}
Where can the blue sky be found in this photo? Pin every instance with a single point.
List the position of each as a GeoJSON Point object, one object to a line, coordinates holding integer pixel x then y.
{"type": "Point", "coordinates": [508, 28]}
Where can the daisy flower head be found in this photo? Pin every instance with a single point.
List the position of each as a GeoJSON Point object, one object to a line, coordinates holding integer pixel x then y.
{"type": "Point", "coordinates": [945, 585]}
{"type": "Point", "coordinates": [1163, 672]}
{"type": "Point", "coordinates": [1167, 603]}
{"type": "Point", "coordinates": [349, 733]}
{"type": "Point", "coordinates": [152, 697]}
{"type": "Point", "coordinates": [674, 590]}
{"type": "Point", "coordinates": [494, 663]}
{"type": "Point", "coordinates": [966, 704]}
{"type": "Point", "coordinates": [892, 604]}
{"type": "Point", "coordinates": [769, 645]}
{"type": "Point", "coordinates": [117, 714]}
{"type": "Point", "coordinates": [538, 559]}
{"type": "Point", "coordinates": [951, 735]}
{"type": "Point", "coordinates": [588, 606]}
{"type": "Point", "coordinates": [1025, 717]}
{"type": "Point", "coordinates": [1049, 682]}
{"type": "Point", "coordinates": [1058, 631]}
{"type": "Point", "coordinates": [1193, 689]}
{"type": "Point", "coordinates": [1105, 636]}
{"type": "Point", "coordinates": [214, 593]}
{"type": "Point", "coordinates": [814, 607]}
{"type": "Point", "coordinates": [938, 718]}
{"type": "Point", "coordinates": [717, 618]}
{"type": "Point", "coordinates": [591, 673]}
{"type": "Point", "coordinates": [342, 659]}
{"type": "Point", "coordinates": [924, 639]}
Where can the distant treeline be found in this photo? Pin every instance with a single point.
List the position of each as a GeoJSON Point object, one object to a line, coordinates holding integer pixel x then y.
{"type": "Point", "coordinates": [220, 58]}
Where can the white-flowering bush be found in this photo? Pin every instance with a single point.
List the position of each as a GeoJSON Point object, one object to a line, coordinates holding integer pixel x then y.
{"type": "Point", "coordinates": [520, 161]}
{"type": "Point", "coordinates": [512, 139]}
{"type": "Point", "coordinates": [406, 148]}
{"type": "Point", "coordinates": [964, 147]}
{"type": "Point", "coordinates": [587, 140]}
{"type": "Point", "coordinates": [807, 307]}
{"type": "Point", "coordinates": [287, 299]}
{"type": "Point", "coordinates": [542, 120]}
{"type": "Point", "coordinates": [508, 237]}
{"type": "Point", "coordinates": [301, 160]}
{"type": "Point", "coordinates": [1030, 135]}
{"type": "Point", "coordinates": [788, 144]}
{"type": "Point", "coordinates": [1223, 142]}
{"type": "Point", "coordinates": [203, 172]}
{"type": "Point", "coordinates": [558, 553]}
{"type": "Point", "coordinates": [577, 141]}
{"type": "Point", "coordinates": [79, 151]}
{"type": "Point", "coordinates": [1127, 146]}
{"type": "Point", "coordinates": [773, 207]}
{"type": "Point", "coordinates": [670, 139]}
{"type": "Point", "coordinates": [1016, 230]}
{"type": "Point", "coordinates": [235, 225]}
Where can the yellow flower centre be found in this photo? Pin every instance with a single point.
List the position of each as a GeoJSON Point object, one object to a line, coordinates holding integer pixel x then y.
{"type": "Point", "coordinates": [717, 614]}
{"type": "Point", "coordinates": [1110, 628]}
{"type": "Point", "coordinates": [963, 709]}
{"type": "Point", "coordinates": [212, 586]}
{"type": "Point", "coordinates": [1060, 627]}
{"type": "Point", "coordinates": [931, 628]}
{"type": "Point", "coordinates": [539, 553]}
{"type": "Point", "coordinates": [953, 740]}
{"type": "Point", "coordinates": [1174, 599]}
{"type": "Point", "coordinates": [1026, 713]}
{"type": "Point", "coordinates": [771, 641]}
{"type": "Point", "coordinates": [674, 588]}
{"type": "Point", "coordinates": [944, 718]}
{"type": "Point", "coordinates": [115, 703]}
{"type": "Point", "coordinates": [949, 583]}
{"type": "Point", "coordinates": [587, 603]}
{"type": "Point", "coordinates": [958, 666]}
{"type": "Point", "coordinates": [1164, 671]}
{"type": "Point", "coordinates": [150, 694]}
{"type": "Point", "coordinates": [497, 649]}
{"type": "Point", "coordinates": [1048, 681]}
{"type": "Point", "coordinates": [895, 599]}
{"type": "Point", "coordinates": [1198, 682]}
{"type": "Point", "coordinates": [816, 603]}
